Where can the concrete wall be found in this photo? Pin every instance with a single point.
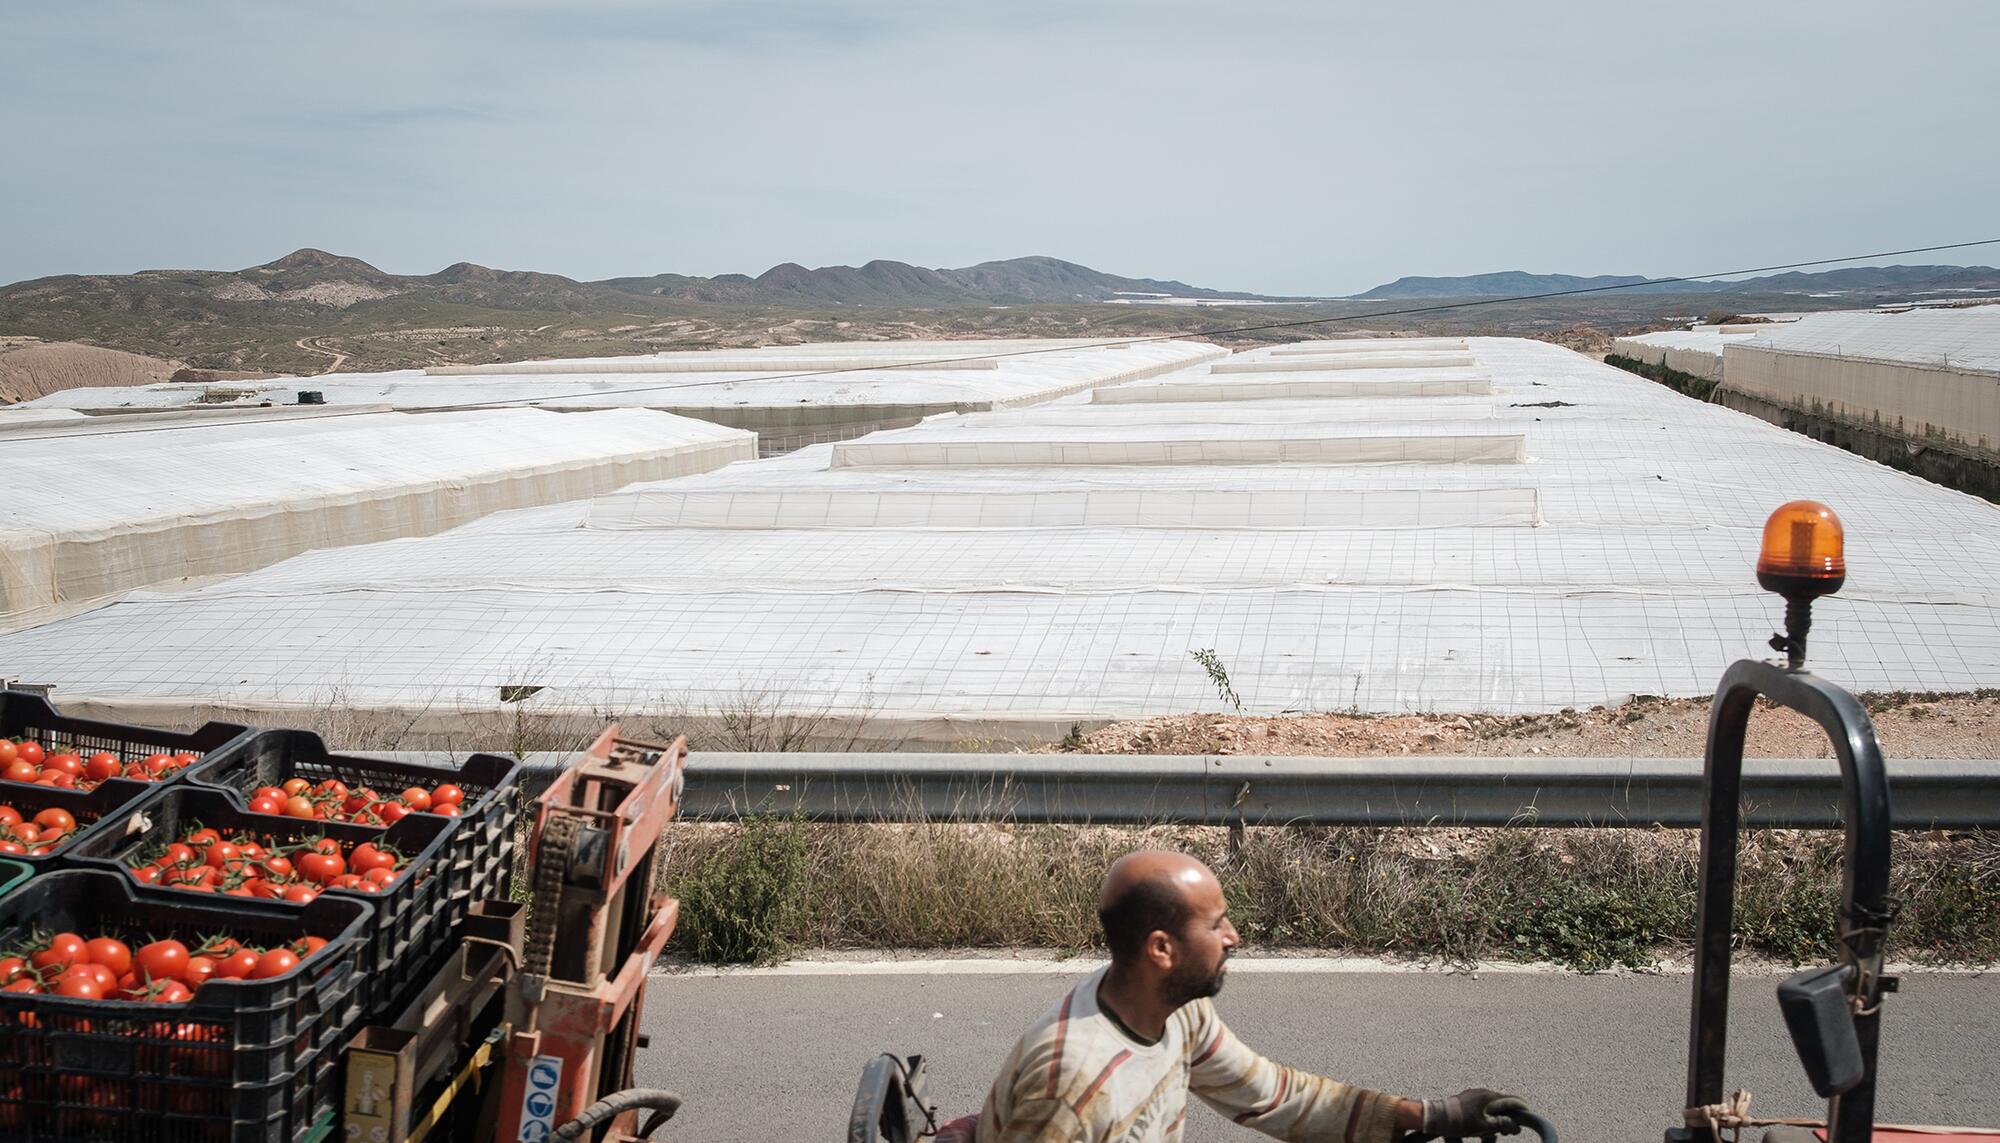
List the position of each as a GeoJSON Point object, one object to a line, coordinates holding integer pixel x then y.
{"type": "Point", "coordinates": [1921, 405]}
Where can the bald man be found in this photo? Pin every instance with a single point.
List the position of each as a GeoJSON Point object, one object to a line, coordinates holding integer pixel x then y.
{"type": "Point", "coordinates": [1113, 1062]}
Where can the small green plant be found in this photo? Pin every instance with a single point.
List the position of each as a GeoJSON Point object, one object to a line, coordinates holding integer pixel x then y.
{"type": "Point", "coordinates": [1073, 741]}
{"type": "Point", "coordinates": [1217, 674]}
{"type": "Point", "coordinates": [739, 904]}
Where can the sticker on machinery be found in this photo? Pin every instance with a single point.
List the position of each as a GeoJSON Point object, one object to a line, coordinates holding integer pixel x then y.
{"type": "Point", "coordinates": [538, 1100]}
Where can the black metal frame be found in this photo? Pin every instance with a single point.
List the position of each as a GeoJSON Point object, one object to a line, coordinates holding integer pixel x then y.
{"type": "Point", "coordinates": [1865, 907]}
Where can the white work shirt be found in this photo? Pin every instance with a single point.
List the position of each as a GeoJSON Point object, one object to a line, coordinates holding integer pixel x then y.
{"type": "Point", "coordinates": [1078, 1076]}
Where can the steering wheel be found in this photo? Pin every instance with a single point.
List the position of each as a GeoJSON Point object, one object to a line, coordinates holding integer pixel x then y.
{"type": "Point", "coordinates": [1527, 1119]}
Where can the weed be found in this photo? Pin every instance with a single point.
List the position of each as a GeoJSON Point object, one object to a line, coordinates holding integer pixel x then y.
{"type": "Point", "coordinates": [1217, 674]}
{"type": "Point", "coordinates": [739, 903]}
{"type": "Point", "coordinates": [1587, 899]}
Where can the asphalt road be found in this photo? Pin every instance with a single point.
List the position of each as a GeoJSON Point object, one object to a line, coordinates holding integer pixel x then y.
{"type": "Point", "coordinates": [763, 1058]}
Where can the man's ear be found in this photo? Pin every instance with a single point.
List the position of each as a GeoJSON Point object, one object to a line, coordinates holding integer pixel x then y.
{"type": "Point", "coordinates": [1159, 949]}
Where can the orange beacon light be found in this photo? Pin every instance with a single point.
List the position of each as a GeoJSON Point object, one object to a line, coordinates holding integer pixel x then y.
{"type": "Point", "coordinates": [1803, 557]}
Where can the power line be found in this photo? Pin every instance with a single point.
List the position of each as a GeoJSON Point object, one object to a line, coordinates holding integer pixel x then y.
{"type": "Point", "coordinates": [1123, 341]}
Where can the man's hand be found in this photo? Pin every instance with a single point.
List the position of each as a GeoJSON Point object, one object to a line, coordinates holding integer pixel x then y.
{"type": "Point", "coordinates": [1475, 1112]}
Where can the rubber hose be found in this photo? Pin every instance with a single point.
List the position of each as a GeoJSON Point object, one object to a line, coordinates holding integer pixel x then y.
{"type": "Point", "coordinates": [663, 1103]}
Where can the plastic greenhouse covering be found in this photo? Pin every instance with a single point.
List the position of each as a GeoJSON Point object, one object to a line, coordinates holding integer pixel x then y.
{"type": "Point", "coordinates": [119, 503]}
{"type": "Point", "coordinates": [994, 596]}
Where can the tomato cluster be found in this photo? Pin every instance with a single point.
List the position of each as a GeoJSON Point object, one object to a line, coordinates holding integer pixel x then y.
{"type": "Point", "coordinates": [34, 836]}
{"type": "Point", "coordinates": [243, 865]}
{"type": "Point", "coordinates": [163, 972]}
{"type": "Point", "coordinates": [70, 769]}
{"type": "Point", "coordinates": [333, 800]}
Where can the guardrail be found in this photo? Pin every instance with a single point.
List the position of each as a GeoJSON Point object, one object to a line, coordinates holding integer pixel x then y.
{"type": "Point", "coordinates": [1254, 790]}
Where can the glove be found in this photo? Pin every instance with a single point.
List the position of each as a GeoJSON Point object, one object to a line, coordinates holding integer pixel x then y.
{"type": "Point", "coordinates": [1475, 1111]}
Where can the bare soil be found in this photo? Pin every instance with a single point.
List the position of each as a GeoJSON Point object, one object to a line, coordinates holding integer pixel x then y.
{"type": "Point", "coordinates": [36, 369]}
{"type": "Point", "coordinates": [1908, 726]}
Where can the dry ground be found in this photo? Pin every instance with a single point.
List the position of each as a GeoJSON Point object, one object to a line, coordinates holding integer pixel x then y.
{"type": "Point", "coordinates": [31, 368]}
{"type": "Point", "coordinates": [1908, 726]}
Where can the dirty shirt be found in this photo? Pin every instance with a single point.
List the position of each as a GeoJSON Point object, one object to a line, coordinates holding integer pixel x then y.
{"type": "Point", "coordinates": [1078, 1074]}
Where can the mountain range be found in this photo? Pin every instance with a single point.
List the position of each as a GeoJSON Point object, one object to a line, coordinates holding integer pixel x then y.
{"type": "Point", "coordinates": [1517, 283]}
{"type": "Point", "coordinates": [314, 280]}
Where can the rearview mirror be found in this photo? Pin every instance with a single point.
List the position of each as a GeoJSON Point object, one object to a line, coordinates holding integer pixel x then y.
{"type": "Point", "coordinates": [1822, 1026]}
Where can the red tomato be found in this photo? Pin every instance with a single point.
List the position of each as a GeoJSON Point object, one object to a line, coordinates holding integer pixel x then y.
{"type": "Point", "coordinates": [67, 763]}
{"type": "Point", "coordinates": [113, 954]}
{"type": "Point", "coordinates": [266, 806]}
{"type": "Point", "coordinates": [295, 786]}
{"type": "Point", "coordinates": [11, 967]}
{"type": "Point", "coordinates": [268, 792]}
{"type": "Point", "coordinates": [220, 853]}
{"type": "Point", "coordinates": [25, 984]}
{"type": "Point", "coordinates": [57, 778]}
{"type": "Point", "coordinates": [28, 832]}
{"type": "Point", "coordinates": [80, 988]}
{"type": "Point", "coordinates": [447, 795]}
{"type": "Point", "coordinates": [200, 970]}
{"type": "Point", "coordinates": [20, 770]}
{"type": "Point", "coordinates": [368, 857]}
{"type": "Point", "coordinates": [30, 752]}
{"type": "Point", "coordinates": [104, 978]}
{"type": "Point", "coordinates": [63, 950]}
{"type": "Point", "coordinates": [8, 751]}
{"type": "Point", "coordinates": [173, 992]}
{"type": "Point", "coordinates": [102, 766]}
{"type": "Point", "coordinates": [162, 960]}
{"type": "Point", "coordinates": [146, 874]}
{"type": "Point", "coordinates": [13, 847]}
{"type": "Point", "coordinates": [275, 962]}
{"type": "Point", "coordinates": [447, 811]}
{"type": "Point", "coordinates": [55, 818]}
{"type": "Point", "coordinates": [277, 866]}
{"type": "Point", "coordinates": [309, 946]}
{"type": "Point", "coordinates": [391, 812]}
{"type": "Point", "coordinates": [299, 894]}
{"type": "Point", "coordinates": [345, 881]}
{"type": "Point", "coordinates": [9, 816]}
{"type": "Point", "coordinates": [297, 806]}
{"type": "Point", "coordinates": [177, 854]}
{"type": "Point", "coordinates": [417, 798]}
{"type": "Point", "coordinates": [202, 837]}
{"type": "Point", "coordinates": [333, 789]}
{"type": "Point", "coordinates": [320, 867]}
{"type": "Point", "coordinates": [160, 764]}
{"type": "Point", "coordinates": [237, 965]}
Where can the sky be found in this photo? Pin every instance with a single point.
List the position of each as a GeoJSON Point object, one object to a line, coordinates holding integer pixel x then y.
{"type": "Point", "coordinates": [1310, 148]}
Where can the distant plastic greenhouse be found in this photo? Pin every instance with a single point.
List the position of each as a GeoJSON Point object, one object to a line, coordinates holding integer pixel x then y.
{"type": "Point", "coordinates": [1505, 526]}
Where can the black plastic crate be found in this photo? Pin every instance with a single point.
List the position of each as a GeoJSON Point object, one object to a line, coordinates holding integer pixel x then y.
{"type": "Point", "coordinates": [413, 918]}
{"type": "Point", "coordinates": [244, 1061]}
{"type": "Point", "coordinates": [23, 715]}
{"type": "Point", "coordinates": [486, 818]}
{"type": "Point", "coordinates": [105, 811]}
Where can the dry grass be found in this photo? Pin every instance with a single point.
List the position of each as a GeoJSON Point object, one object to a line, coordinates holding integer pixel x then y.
{"type": "Point", "coordinates": [1589, 899]}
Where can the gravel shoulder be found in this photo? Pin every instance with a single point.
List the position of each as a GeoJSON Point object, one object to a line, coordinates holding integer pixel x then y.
{"type": "Point", "coordinates": [1908, 726]}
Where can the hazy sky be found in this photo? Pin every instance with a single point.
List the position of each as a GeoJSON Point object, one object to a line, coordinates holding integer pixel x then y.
{"type": "Point", "coordinates": [1307, 148]}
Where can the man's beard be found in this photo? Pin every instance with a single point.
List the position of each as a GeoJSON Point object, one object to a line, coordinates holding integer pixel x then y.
{"type": "Point", "coordinates": [1188, 983]}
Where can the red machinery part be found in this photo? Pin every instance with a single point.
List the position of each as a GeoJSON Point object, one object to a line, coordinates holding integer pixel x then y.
{"type": "Point", "coordinates": [599, 924]}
